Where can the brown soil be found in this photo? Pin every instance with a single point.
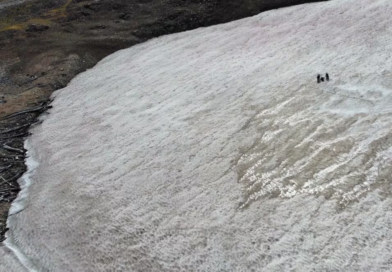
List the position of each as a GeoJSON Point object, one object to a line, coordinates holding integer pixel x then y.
{"type": "Point", "coordinates": [44, 44]}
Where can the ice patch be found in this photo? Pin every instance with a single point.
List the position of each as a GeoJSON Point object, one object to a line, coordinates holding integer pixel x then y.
{"type": "Point", "coordinates": [147, 159]}
{"type": "Point", "coordinates": [19, 205]}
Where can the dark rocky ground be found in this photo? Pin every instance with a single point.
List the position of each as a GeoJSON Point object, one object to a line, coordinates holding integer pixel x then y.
{"type": "Point", "coordinates": [44, 44]}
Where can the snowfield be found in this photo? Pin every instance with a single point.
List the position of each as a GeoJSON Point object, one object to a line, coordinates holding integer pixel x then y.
{"type": "Point", "coordinates": [216, 150]}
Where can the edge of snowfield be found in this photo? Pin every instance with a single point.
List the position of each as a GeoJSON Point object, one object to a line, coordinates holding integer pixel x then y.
{"type": "Point", "coordinates": [140, 158]}
{"type": "Point", "coordinates": [20, 203]}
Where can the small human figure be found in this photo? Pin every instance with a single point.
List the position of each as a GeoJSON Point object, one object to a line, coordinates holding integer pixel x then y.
{"type": "Point", "coordinates": [322, 79]}
{"type": "Point", "coordinates": [318, 78]}
{"type": "Point", "coordinates": [327, 76]}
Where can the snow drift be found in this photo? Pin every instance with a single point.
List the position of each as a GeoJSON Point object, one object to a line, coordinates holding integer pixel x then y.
{"type": "Point", "coordinates": [216, 150]}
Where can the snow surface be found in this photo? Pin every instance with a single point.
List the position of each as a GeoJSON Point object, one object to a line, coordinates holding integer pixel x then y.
{"type": "Point", "coordinates": [216, 150]}
{"type": "Point", "coordinates": [9, 262]}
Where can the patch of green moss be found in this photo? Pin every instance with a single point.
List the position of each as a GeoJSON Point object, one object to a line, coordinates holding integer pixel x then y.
{"type": "Point", "coordinates": [59, 12]}
{"type": "Point", "coordinates": [20, 17]}
{"type": "Point", "coordinates": [24, 25]}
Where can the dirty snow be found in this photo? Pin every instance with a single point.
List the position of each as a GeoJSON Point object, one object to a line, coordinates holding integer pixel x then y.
{"type": "Point", "coordinates": [216, 150]}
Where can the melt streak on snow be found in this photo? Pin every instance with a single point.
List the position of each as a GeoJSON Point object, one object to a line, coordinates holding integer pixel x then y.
{"type": "Point", "coordinates": [216, 150]}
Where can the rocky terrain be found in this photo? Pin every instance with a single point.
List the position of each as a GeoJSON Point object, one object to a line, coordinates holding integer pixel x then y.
{"type": "Point", "coordinates": [46, 43]}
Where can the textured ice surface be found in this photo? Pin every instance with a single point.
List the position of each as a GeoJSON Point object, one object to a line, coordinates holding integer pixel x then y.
{"type": "Point", "coordinates": [9, 261]}
{"type": "Point", "coordinates": [216, 150]}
